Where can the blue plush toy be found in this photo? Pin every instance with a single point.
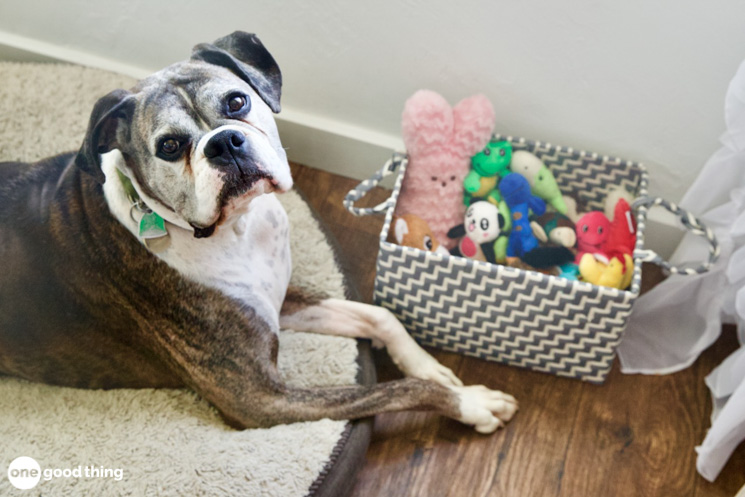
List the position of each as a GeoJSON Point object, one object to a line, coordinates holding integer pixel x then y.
{"type": "Point", "coordinates": [522, 243]}
{"type": "Point", "coordinates": [515, 191]}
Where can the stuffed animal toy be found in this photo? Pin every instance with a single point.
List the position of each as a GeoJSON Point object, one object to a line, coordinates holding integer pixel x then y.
{"type": "Point", "coordinates": [622, 236]}
{"type": "Point", "coordinates": [410, 230]}
{"type": "Point", "coordinates": [569, 271]}
{"type": "Point", "coordinates": [440, 141]}
{"type": "Point", "coordinates": [592, 231]}
{"type": "Point", "coordinates": [542, 181]}
{"type": "Point", "coordinates": [611, 200]}
{"type": "Point", "coordinates": [487, 167]}
{"type": "Point", "coordinates": [606, 248]}
{"type": "Point", "coordinates": [617, 273]}
{"type": "Point", "coordinates": [556, 228]}
{"type": "Point", "coordinates": [480, 233]}
{"type": "Point", "coordinates": [597, 235]}
{"type": "Point", "coordinates": [522, 243]}
{"type": "Point", "coordinates": [515, 191]}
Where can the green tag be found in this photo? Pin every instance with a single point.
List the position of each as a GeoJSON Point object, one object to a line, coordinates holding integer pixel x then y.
{"type": "Point", "coordinates": [152, 226]}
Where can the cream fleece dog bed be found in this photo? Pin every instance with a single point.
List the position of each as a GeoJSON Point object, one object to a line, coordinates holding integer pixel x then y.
{"type": "Point", "coordinates": [164, 442]}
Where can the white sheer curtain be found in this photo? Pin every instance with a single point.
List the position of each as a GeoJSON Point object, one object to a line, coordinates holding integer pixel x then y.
{"type": "Point", "coordinates": [672, 324]}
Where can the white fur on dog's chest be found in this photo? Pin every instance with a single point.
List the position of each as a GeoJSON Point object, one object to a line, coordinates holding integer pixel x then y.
{"type": "Point", "coordinates": [248, 259]}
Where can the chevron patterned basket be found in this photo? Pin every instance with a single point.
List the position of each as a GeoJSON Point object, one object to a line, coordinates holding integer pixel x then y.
{"type": "Point", "coordinates": [521, 318]}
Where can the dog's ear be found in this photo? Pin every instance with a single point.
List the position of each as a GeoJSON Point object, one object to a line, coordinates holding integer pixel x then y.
{"type": "Point", "coordinates": [245, 55]}
{"type": "Point", "coordinates": [106, 118]}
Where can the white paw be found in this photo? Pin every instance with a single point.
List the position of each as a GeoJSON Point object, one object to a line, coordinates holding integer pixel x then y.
{"type": "Point", "coordinates": [484, 409]}
{"type": "Point", "coordinates": [416, 362]}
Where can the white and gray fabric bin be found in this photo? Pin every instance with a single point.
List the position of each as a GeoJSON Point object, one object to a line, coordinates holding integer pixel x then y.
{"type": "Point", "coordinates": [512, 316]}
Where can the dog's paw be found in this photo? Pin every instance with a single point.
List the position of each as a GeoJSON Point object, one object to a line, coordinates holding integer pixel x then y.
{"type": "Point", "coordinates": [416, 362]}
{"type": "Point", "coordinates": [486, 410]}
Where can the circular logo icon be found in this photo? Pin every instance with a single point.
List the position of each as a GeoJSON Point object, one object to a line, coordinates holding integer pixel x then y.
{"type": "Point", "coordinates": [24, 473]}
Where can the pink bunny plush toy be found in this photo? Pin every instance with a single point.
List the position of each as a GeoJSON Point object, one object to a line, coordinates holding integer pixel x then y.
{"type": "Point", "coordinates": [440, 141]}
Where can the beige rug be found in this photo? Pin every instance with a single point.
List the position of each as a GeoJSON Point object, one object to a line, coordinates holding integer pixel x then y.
{"type": "Point", "coordinates": [161, 442]}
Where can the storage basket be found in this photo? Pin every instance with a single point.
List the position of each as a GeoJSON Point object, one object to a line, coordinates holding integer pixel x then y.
{"type": "Point", "coordinates": [513, 316]}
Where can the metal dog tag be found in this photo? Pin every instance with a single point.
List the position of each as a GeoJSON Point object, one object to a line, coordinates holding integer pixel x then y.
{"type": "Point", "coordinates": [157, 245]}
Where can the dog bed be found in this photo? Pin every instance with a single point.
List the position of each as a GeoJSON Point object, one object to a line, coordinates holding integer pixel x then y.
{"type": "Point", "coordinates": [169, 442]}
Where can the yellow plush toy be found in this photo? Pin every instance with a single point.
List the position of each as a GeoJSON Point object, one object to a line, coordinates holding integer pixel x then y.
{"type": "Point", "coordinates": [614, 274]}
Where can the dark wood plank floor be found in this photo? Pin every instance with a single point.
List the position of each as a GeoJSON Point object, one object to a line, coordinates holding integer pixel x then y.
{"type": "Point", "coordinates": [632, 436]}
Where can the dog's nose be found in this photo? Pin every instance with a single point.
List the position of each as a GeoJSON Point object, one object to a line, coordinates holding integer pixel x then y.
{"type": "Point", "coordinates": [225, 147]}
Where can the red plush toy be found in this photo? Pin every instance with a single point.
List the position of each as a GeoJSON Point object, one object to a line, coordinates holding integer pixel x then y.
{"type": "Point", "coordinates": [605, 248]}
{"type": "Point", "coordinates": [597, 235]}
{"type": "Point", "coordinates": [622, 236]}
{"type": "Point", "coordinates": [592, 234]}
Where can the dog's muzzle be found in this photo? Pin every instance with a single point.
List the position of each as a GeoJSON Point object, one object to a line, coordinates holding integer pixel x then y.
{"type": "Point", "coordinates": [229, 151]}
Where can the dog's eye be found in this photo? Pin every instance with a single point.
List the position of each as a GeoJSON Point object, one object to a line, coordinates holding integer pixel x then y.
{"type": "Point", "coordinates": [237, 103]}
{"type": "Point", "coordinates": [170, 148]}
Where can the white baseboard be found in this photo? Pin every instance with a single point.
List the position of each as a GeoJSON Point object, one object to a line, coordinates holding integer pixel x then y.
{"type": "Point", "coordinates": [334, 146]}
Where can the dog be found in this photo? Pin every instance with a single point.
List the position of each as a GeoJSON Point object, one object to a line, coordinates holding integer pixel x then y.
{"type": "Point", "coordinates": [158, 256]}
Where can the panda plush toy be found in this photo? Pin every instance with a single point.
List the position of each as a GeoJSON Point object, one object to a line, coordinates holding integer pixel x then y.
{"type": "Point", "coordinates": [480, 233]}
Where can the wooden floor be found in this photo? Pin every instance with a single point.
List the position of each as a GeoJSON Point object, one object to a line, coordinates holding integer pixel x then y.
{"type": "Point", "coordinates": [632, 436]}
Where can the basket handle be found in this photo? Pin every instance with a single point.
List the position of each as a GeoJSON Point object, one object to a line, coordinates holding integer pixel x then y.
{"type": "Point", "coordinates": [363, 188]}
{"type": "Point", "coordinates": [692, 224]}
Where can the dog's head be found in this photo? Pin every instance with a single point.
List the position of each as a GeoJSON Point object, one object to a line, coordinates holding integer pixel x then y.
{"type": "Point", "coordinates": [197, 139]}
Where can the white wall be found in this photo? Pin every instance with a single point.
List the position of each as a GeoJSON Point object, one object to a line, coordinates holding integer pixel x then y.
{"type": "Point", "coordinates": [640, 79]}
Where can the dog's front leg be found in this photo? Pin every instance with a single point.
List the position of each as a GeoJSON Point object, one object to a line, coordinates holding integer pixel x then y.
{"type": "Point", "coordinates": [477, 405]}
{"type": "Point", "coordinates": [486, 410]}
{"type": "Point", "coordinates": [232, 364]}
{"type": "Point", "coordinates": [356, 320]}
{"type": "Point", "coordinates": [353, 319]}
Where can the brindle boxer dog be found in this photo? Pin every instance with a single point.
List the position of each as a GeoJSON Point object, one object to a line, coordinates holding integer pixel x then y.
{"type": "Point", "coordinates": [158, 256]}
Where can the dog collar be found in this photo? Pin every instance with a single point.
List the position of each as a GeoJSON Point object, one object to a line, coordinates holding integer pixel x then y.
{"type": "Point", "coordinates": [152, 227]}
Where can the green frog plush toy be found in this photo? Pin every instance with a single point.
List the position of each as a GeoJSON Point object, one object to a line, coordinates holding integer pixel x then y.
{"type": "Point", "coordinates": [487, 167]}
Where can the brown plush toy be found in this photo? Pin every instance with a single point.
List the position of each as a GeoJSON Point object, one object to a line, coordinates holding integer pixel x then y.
{"type": "Point", "coordinates": [411, 230]}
